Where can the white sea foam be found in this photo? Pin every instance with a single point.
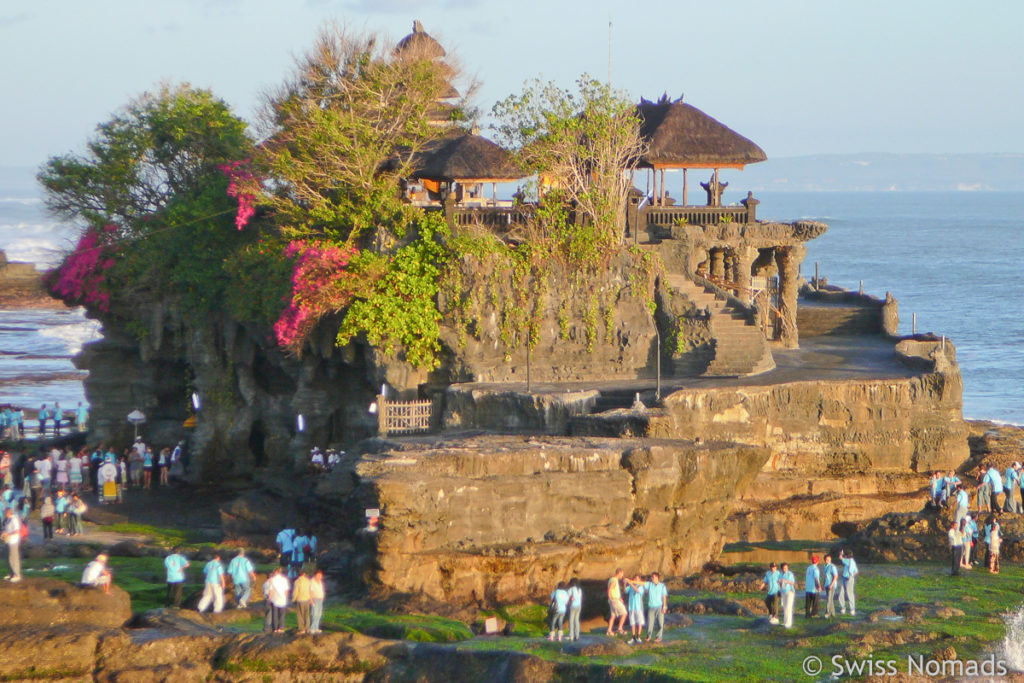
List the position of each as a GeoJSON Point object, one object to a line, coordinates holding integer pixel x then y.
{"type": "Point", "coordinates": [44, 253]}
{"type": "Point", "coordinates": [73, 335]}
{"type": "Point", "coordinates": [1013, 642]}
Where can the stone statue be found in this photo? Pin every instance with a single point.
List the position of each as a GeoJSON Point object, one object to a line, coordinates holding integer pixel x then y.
{"type": "Point", "coordinates": [714, 191]}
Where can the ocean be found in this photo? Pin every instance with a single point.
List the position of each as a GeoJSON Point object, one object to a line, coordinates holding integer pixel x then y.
{"type": "Point", "coordinates": [953, 258]}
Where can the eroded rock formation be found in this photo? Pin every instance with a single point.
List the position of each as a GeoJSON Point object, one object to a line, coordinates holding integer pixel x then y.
{"type": "Point", "coordinates": [488, 519]}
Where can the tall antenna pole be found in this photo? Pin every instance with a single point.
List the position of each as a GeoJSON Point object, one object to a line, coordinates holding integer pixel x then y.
{"type": "Point", "coordinates": [609, 51]}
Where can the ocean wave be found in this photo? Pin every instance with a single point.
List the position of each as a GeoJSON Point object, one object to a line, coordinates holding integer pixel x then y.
{"type": "Point", "coordinates": [42, 378]}
{"type": "Point", "coordinates": [74, 335]}
{"type": "Point", "coordinates": [44, 253]}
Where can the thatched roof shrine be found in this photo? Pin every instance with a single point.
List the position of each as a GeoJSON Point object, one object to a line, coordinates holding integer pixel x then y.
{"type": "Point", "coordinates": [420, 43]}
{"type": "Point", "coordinates": [680, 135]}
{"type": "Point", "coordinates": [465, 158]}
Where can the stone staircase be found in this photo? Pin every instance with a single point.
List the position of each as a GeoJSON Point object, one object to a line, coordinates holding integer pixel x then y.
{"type": "Point", "coordinates": [740, 347]}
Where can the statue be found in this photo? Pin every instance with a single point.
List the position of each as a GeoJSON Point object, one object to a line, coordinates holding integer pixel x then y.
{"type": "Point", "coordinates": [714, 190]}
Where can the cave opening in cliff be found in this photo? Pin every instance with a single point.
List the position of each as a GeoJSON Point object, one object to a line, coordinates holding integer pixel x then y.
{"type": "Point", "coordinates": [257, 444]}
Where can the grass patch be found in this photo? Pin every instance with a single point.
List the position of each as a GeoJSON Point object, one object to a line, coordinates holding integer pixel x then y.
{"type": "Point", "coordinates": [168, 537]}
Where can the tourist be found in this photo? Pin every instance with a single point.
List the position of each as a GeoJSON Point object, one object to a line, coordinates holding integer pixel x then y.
{"type": "Point", "coordinates": [147, 467]}
{"type": "Point", "coordinates": [46, 515]}
{"type": "Point", "coordinates": [812, 584]}
{"type": "Point", "coordinates": [11, 535]}
{"type": "Point", "coordinates": [616, 608]}
{"type": "Point", "coordinates": [176, 564]}
{"type": "Point", "coordinates": [277, 594]}
{"type": "Point", "coordinates": [984, 493]}
{"type": "Point", "coordinates": [302, 599]}
{"type": "Point", "coordinates": [317, 595]}
{"type": "Point", "coordinates": [242, 575]}
{"type": "Point", "coordinates": [43, 416]}
{"type": "Point", "coordinates": [847, 583]}
{"type": "Point", "coordinates": [58, 417]}
{"type": "Point", "coordinates": [60, 506]}
{"type": "Point", "coordinates": [44, 468]}
{"type": "Point", "coordinates": [122, 478]}
{"type": "Point", "coordinates": [74, 472]}
{"type": "Point", "coordinates": [285, 544]}
{"type": "Point", "coordinates": [268, 607]}
{"type": "Point", "coordinates": [787, 589]}
{"type": "Point", "coordinates": [106, 479]}
{"type": "Point", "coordinates": [213, 586]}
{"type": "Point", "coordinates": [1011, 481]}
{"type": "Point", "coordinates": [300, 544]}
{"type": "Point", "coordinates": [575, 607]}
{"type": "Point", "coordinates": [556, 610]}
{"type": "Point", "coordinates": [995, 482]}
{"type": "Point", "coordinates": [937, 483]}
{"type": "Point", "coordinates": [81, 417]}
{"type": "Point", "coordinates": [970, 538]}
{"type": "Point", "coordinates": [771, 600]}
{"type": "Point", "coordinates": [635, 603]}
{"type": "Point", "coordinates": [963, 502]}
{"type": "Point", "coordinates": [97, 574]}
{"type": "Point", "coordinates": [163, 463]}
{"type": "Point", "coordinates": [135, 468]}
{"type": "Point", "coordinates": [309, 549]}
{"type": "Point", "coordinates": [76, 509]}
{"type": "Point", "coordinates": [956, 548]}
{"type": "Point", "coordinates": [994, 544]}
{"type": "Point", "coordinates": [657, 605]}
{"type": "Point", "coordinates": [62, 472]}
{"type": "Point", "coordinates": [316, 461]}
{"type": "Point", "coordinates": [333, 459]}
{"type": "Point", "coordinates": [830, 580]}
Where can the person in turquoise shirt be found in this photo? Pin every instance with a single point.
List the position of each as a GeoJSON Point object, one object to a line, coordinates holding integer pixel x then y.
{"type": "Point", "coordinates": [812, 584]}
{"type": "Point", "coordinates": [1010, 487]}
{"type": "Point", "coordinates": [830, 581]}
{"type": "Point", "coordinates": [176, 563]}
{"type": "Point", "coordinates": [81, 416]}
{"type": "Point", "coordinates": [43, 417]}
{"type": "Point", "coordinates": [213, 586]}
{"type": "Point", "coordinates": [787, 589]}
{"type": "Point", "coordinates": [847, 583]}
{"type": "Point", "coordinates": [635, 605]}
{"type": "Point", "coordinates": [657, 605]}
{"type": "Point", "coordinates": [559, 603]}
{"type": "Point", "coordinates": [60, 507]}
{"type": "Point", "coordinates": [771, 600]}
{"type": "Point", "coordinates": [242, 575]}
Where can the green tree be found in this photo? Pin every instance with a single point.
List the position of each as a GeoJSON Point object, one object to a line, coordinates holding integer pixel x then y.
{"type": "Point", "coordinates": [340, 133]}
{"type": "Point", "coordinates": [155, 172]}
{"type": "Point", "coordinates": [583, 143]}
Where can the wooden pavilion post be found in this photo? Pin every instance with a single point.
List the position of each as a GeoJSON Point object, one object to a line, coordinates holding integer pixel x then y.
{"type": "Point", "coordinates": [663, 187]}
{"type": "Point", "coordinates": [684, 187]}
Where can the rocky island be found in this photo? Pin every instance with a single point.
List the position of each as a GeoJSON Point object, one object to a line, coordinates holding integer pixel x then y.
{"type": "Point", "coordinates": [588, 376]}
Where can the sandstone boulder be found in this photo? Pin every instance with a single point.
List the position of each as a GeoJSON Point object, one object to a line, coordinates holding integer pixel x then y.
{"type": "Point", "coordinates": [49, 602]}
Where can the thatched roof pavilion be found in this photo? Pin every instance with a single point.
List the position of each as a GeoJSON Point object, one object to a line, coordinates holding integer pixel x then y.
{"type": "Point", "coordinates": [465, 158]}
{"type": "Point", "coordinates": [679, 135]}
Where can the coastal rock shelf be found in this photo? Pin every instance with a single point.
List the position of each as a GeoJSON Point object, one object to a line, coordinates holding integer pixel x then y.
{"type": "Point", "coordinates": [489, 520]}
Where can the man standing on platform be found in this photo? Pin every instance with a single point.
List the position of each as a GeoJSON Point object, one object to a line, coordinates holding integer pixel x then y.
{"type": "Point", "coordinates": [771, 600]}
{"type": "Point", "coordinates": [831, 582]}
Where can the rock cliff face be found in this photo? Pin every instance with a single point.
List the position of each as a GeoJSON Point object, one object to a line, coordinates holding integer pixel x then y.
{"type": "Point", "coordinates": [487, 520]}
{"type": "Point", "coordinates": [842, 451]}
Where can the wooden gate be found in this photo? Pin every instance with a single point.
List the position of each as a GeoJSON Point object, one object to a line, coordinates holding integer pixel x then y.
{"type": "Point", "coordinates": [404, 417]}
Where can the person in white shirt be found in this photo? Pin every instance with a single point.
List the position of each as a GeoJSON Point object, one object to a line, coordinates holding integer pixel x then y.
{"type": "Point", "coordinates": [97, 575]}
{"type": "Point", "coordinates": [278, 597]}
{"type": "Point", "coordinates": [12, 537]}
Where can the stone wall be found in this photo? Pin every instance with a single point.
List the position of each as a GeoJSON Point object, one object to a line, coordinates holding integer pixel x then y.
{"type": "Point", "coordinates": [487, 520]}
{"type": "Point", "coordinates": [838, 311]}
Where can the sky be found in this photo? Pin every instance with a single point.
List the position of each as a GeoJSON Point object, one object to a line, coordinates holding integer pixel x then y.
{"type": "Point", "coordinates": [797, 77]}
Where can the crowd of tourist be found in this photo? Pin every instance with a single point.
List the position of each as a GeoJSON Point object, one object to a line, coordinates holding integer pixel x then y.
{"type": "Point", "coordinates": [824, 583]}
{"type": "Point", "coordinates": [995, 493]}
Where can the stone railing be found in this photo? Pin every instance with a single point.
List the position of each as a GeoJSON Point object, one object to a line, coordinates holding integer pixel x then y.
{"type": "Point", "coordinates": [496, 218]}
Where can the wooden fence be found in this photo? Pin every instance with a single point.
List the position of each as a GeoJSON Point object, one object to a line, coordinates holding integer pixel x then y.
{"type": "Point", "coordinates": [404, 417]}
